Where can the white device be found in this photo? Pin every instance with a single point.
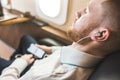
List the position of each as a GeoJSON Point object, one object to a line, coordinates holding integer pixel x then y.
{"type": "Point", "coordinates": [39, 53]}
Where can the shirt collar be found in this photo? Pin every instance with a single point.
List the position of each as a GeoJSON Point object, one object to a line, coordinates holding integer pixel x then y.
{"type": "Point", "coordinates": [72, 56]}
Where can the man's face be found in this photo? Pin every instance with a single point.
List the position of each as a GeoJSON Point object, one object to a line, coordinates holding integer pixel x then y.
{"type": "Point", "coordinates": [87, 20]}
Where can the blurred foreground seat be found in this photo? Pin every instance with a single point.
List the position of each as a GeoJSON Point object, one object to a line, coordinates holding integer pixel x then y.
{"type": "Point", "coordinates": [109, 69]}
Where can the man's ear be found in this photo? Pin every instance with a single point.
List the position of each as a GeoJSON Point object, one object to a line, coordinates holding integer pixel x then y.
{"type": "Point", "coordinates": [101, 35]}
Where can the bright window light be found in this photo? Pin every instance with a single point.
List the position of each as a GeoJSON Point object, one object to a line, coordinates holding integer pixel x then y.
{"type": "Point", "coordinates": [50, 8]}
{"type": "Point", "coordinates": [54, 11]}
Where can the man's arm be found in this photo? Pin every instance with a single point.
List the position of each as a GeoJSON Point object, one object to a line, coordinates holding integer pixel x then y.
{"type": "Point", "coordinates": [48, 50]}
{"type": "Point", "coordinates": [14, 70]}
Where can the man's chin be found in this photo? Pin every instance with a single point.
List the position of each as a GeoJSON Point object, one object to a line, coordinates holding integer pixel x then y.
{"type": "Point", "coordinates": [72, 34]}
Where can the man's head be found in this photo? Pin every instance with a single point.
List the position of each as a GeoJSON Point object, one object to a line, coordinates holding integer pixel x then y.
{"type": "Point", "coordinates": [99, 21]}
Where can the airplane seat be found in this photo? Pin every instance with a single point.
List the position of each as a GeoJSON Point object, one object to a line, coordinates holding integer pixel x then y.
{"type": "Point", "coordinates": [49, 42]}
{"type": "Point", "coordinates": [108, 69]}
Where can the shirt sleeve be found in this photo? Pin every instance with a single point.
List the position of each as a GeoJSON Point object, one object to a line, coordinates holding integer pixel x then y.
{"type": "Point", "coordinates": [14, 70]}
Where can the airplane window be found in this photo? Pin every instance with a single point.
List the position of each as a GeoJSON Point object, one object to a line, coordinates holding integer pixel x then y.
{"type": "Point", "coordinates": [50, 8]}
{"type": "Point", "coordinates": [5, 3]}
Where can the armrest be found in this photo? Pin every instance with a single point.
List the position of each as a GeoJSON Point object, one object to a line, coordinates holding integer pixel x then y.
{"type": "Point", "coordinates": [49, 42]}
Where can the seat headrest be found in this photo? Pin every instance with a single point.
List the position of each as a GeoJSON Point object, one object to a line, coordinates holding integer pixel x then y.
{"type": "Point", "coordinates": [109, 68]}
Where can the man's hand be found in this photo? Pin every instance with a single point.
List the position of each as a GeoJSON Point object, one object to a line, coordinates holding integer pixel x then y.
{"type": "Point", "coordinates": [29, 58]}
{"type": "Point", "coordinates": [47, 49]}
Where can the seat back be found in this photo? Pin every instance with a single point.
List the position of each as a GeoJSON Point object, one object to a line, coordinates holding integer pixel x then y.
{"type": "Point", "coordinates": [109, 69]}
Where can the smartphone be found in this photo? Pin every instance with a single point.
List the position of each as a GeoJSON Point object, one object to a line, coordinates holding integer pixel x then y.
{"type": "Point", "coordinates": [39, 53]}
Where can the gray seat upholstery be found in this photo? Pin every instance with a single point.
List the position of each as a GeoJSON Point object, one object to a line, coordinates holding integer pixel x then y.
{"type": "Point", "coordinates": [109, 69]}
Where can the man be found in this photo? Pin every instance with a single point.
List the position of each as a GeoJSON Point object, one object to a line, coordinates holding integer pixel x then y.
{"type": "Point", "coordinates": [95, 34]}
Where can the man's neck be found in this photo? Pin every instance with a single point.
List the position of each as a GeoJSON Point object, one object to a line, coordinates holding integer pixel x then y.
{"type": "Point", "coordinates": [88, 49]}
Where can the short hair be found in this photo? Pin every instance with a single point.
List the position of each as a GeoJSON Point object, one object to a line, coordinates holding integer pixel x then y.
{"type": "Point", "coordinates": [112, 9]}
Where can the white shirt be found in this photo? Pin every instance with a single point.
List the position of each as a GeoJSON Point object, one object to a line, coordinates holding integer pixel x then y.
{"type": "Point", "coordinates": [65, 63]}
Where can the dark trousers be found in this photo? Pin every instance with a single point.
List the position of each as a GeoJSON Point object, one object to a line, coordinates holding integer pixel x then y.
{"type": "Point", "coordinates": [4, 64]}
{"type": "Point", "coordinates": [22, 49]}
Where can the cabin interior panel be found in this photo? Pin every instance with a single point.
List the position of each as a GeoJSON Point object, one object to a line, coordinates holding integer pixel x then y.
{"type": "Point", "coordinates": [11, 34]}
